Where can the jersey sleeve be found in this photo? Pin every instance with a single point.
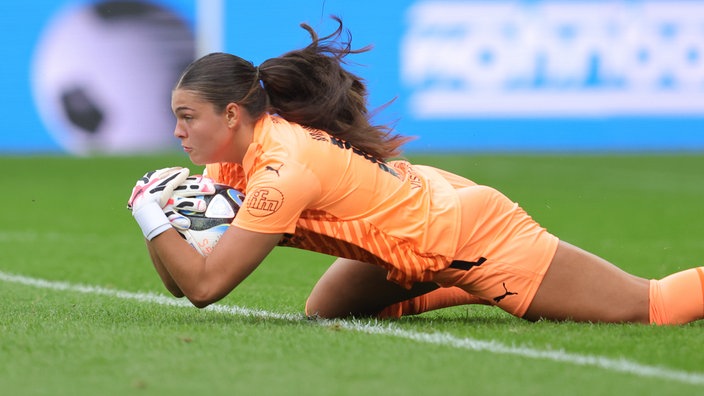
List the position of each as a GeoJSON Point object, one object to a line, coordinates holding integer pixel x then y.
{"type": "Point", "coordinates": [277, 194]}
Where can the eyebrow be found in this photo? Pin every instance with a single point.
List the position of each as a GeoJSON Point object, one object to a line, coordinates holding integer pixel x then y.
{"type": "Point", "coordinates": [182, 108]}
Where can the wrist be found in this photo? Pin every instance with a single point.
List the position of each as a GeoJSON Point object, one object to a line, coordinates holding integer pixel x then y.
{"type": "Point", "coordinates": [151, 219]}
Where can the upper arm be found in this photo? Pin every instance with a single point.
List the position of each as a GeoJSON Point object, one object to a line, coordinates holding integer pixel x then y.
{"type": "Point", "coordinates": [237, 254]}
{"type": "Point", "coordinates": [276, 196]}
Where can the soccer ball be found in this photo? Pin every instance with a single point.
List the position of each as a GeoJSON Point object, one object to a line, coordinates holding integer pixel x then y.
{"type": "Point", "coordinates": [207, 227]}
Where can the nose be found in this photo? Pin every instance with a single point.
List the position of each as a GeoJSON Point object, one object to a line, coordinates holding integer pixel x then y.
{"type": "Point", "coordinates": [178, 132]}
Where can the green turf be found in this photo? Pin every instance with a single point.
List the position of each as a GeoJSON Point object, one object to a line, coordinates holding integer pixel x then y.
{"type": "Point", "coordinates": [64, 219]}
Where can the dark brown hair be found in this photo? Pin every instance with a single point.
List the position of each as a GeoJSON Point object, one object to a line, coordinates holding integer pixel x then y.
{"type": "Point", "coordinates": [308, 86]}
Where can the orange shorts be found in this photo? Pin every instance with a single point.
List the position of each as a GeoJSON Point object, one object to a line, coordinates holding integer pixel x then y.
{"type": "Point", "coordinates": [503, 253]}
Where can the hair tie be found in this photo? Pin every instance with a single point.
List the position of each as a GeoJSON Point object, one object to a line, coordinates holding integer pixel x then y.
{"type": "Point", "coordinates": [257, 83]}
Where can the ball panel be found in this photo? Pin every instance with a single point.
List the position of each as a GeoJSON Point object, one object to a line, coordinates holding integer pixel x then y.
{"type": "Point", "coordinates": [207, 227]}
{"type": "Point", "coordinates": [205, 240]}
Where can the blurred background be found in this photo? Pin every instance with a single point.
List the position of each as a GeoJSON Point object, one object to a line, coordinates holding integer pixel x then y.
{"type": "Point", "coordinates": [94, 77]}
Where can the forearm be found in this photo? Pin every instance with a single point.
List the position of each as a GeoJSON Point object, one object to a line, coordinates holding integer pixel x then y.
{"type": "Point", "coordinates": [166, 278]}
{"type": "Point", "coordinates": [181, 268]}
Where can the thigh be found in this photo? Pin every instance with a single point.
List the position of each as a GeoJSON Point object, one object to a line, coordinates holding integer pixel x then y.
{"type": "Point", "coordinates": [355, 288]}
{"type": "Point", "coordinates": [503, 253]}
{"type": "Point", "coordinates": [583, 287]}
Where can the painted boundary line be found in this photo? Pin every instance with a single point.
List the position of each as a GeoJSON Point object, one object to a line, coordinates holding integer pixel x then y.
{"type": "Point", "coordinates": [386, 329]}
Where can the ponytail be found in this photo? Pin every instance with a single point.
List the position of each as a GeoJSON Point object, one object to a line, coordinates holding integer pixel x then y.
{"type": "Point", "coordinates": [308, 86]}
{"type": "Point", "coordinates": [311, 87]}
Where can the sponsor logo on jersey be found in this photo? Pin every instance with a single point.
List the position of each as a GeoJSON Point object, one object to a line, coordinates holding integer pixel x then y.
{"type": "Point", "coordinates": [275, 170]}
{"type": "Point", "coordinates": [264, 201]}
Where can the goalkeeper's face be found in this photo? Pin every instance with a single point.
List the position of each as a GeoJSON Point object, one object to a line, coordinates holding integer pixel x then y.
{"type": "Point", "coordinates": [206, 135]}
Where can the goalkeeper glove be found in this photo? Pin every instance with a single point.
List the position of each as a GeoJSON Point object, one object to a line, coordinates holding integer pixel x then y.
{"type": "Point", "coordinates": [150, 195]}
{"type": "Point", "coordinates": [185, 198]}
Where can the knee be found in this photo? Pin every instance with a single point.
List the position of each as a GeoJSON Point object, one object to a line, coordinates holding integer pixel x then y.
{"type": "Point", "coordinates": [311, 310]}
{"type": "Point", "coordinates": [319, 308]}
{"type": "Point", "coordinates": [334, 306]}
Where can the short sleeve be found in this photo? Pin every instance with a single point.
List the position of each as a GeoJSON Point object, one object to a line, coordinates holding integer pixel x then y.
{"type": "Point", "coordinates": [277, 194]}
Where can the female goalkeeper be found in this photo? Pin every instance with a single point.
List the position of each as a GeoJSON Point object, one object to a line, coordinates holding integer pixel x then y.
{"type": "Point", "coordinates": [294, 134]}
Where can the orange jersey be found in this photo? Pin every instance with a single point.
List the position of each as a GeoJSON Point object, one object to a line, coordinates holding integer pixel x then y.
{"type": "Point", "coordinates": [329, 197]}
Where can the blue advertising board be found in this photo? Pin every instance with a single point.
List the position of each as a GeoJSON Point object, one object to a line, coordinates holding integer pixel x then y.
{"type": "Point", "coordinates": [539, 76]}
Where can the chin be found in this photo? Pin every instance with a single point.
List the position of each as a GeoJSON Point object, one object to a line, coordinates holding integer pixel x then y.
{"type": "Point", "coordinates": [197, 161]}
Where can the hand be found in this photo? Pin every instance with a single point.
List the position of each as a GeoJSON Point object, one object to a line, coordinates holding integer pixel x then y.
{"type": "Point", "coordinates": [195, 185]}
{"type": "Point", "coordinates": [150, 195]}
{"type": "Point", "coordinates": [176, 205]}
{"type": "Point", "coordinates": [186, 198]}
{"type": "Point", "coordinates": [156, 186]}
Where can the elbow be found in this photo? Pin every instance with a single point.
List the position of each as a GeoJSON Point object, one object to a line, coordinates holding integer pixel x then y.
{"type": "Point", "coordinates": [202, 299]}
{"type": "Point", "coordinates": [200, 303]}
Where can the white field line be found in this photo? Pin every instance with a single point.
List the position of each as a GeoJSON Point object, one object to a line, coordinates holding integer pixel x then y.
{"type": "Point", "coordinates": [387, 329]}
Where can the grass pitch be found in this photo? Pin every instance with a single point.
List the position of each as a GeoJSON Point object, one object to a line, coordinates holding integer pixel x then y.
{"type": "Point", "coordinates": [75, 319]}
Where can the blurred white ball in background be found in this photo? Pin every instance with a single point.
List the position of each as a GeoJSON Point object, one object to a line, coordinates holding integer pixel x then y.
{"type": "Point", "coordinates": [103, 74]}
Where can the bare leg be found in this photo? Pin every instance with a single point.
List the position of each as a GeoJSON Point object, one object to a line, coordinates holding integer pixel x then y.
{"type": "Point", "coordinates": [580, 286]}
{"type": "Point", "coordinates": [355, 288]}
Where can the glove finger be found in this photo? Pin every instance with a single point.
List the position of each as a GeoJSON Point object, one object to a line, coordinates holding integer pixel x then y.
{"type": "Point", "coordinates": [154, 182]}
{"type": "Point", "coordinates": [160, 178]}
{"type": "Point", "coordinates": [195, 185]}
{"type": "Point", "coordinates": [183, 204]}
{"type": "Point", "coordinates": [145, 179]}
{"type": "Point", "coordinates": [139, 188]}
{"type": "Point", "coordinates": [164, 172]}
{"type": "Point", "coordinates": [136, 191]}
{"type": "Point", "coordinates": [170, 182]}
{"type": "Point", "coordinates": [177, 220]}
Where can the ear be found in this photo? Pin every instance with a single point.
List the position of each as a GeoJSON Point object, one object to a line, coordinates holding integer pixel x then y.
{"type": "Point", "coordinates": [232, 112]}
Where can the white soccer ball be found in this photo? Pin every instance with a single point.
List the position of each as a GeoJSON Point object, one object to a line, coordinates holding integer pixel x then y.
{"type": "Point", "coordinates": [103, 72]}
{"type": "Point", "coordinates": [207, 227]}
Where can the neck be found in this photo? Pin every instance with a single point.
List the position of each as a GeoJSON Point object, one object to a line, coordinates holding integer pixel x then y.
{"type": "Point", "coordinates": [243, 137]}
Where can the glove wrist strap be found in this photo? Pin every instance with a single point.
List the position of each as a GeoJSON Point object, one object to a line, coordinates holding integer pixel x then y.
{"type": "Point", "coordinates": [151, 220]}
